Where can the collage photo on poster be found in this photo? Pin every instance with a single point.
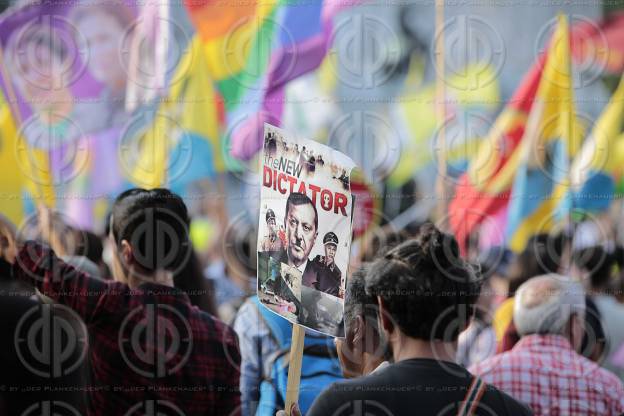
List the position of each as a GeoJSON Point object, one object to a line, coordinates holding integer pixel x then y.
{"type": "Point", "coordinates": [305, 228]}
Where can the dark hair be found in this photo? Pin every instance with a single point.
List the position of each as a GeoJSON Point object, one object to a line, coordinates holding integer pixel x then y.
{"type": "Point", "coordinates": [542, 255]}
{"type": "Point", "coordinates": [597, 262]}
{"type": "Point", "coordinates": [380, 241]}
{"type": "Point", "coordinates": [297, 198]}
{"type": "Point", "coordinates": [190, 278]}
{"type": "Point", "coordinates": [357, 301]}
{"type": "Point", "coordinates": [425, 286]}
{"type": "Point", "coordinates": [90, 246]}
{"type": "Point", "coordinates": [149, 217]}
{"type": "Point", "coordinates": [239, 249]}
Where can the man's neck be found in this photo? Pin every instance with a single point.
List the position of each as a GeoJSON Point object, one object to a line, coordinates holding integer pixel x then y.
{"type": "Point", "coordinates": [407, 348]}
{"type": "Point", "coordinates": [160, 277]}
{"type": "Point", "coordinates": [371, 362]}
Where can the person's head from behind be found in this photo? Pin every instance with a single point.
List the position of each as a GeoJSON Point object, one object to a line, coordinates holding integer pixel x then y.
{"type": "Point", "coordinates": [594, 266]}
{"type": "Point", "coordinates": [381, 240]}
{"type": "Point", "coordinates": [239, 254]}
{"type": "Point", "coordinates": [90, 245]}
{"type": "Point", "coordinates": [551, 305]}
{"type": "Point", "coordinates": [149, 232]}
{"type": "Point", "coordinates": [362, 349]}
{"type": "Point", "coordinates": [424, 291]}
{"type": "Point", "coordinates": [485, 302]}
{"type": "Point", "coordinates": [541, 255]}
{"type": "Point", "coordinates": [301, 223]}
{"type": "Point", "coordinates": [494, 264]}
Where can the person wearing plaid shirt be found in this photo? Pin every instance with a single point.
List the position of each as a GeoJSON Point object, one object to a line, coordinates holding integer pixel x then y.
{"type": "Point", "coordinates": [150, 350]}
{"type": "Point", "coordinates": [543, 369]}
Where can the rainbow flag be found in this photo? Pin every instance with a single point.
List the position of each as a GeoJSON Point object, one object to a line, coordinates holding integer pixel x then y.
{"type": "Point", "coordinates": [552, 137]}
{"type": "Point", "coordinates": [253, 50]}
{"type": "Point", "coordinates": [595, 169]}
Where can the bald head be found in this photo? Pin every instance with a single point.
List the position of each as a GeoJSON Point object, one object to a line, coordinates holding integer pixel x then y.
{"type": "Point", "coordinates": [545, 304]}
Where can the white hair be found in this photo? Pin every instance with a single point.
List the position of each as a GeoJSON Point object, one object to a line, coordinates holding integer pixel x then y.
{"type": "Point", "coordinates": [545, 304]}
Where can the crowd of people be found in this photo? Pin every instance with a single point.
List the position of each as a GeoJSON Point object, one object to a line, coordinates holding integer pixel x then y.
{"type": "Point", "coordinates": [136, 321]}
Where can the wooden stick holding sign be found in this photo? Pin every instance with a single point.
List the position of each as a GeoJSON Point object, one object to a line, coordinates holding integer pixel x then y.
{"type": "Point", "coordinates": [304, 241]}
{"type": "Point", "coordinates": [294, 367]}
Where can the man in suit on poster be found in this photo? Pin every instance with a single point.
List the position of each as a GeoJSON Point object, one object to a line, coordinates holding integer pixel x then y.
{"type": "Point", "coordinates": [301, 224]}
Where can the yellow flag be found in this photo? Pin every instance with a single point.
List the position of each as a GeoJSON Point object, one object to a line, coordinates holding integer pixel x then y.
{"type": "Point", "coordinates": [599, 153]}
{"type": "Point", "coordinates": [190, 106]}
{"type": "Point", "coordinates": [23, 169]}
{"type": "Point", "coordinates": [552, 124]}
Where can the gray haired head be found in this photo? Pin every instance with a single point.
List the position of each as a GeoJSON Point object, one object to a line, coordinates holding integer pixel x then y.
{"type": "Point", "coordinates": [545, 304]}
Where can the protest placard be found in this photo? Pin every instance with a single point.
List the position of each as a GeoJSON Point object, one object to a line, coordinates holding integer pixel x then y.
{"type": "Point", "coordinates": [305, 228]}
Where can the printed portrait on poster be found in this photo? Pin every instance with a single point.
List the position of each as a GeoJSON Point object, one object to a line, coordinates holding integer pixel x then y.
{"type": "Point", "coordinates": [305, 228]}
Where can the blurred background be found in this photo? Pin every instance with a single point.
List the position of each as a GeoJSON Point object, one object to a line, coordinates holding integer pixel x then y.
{"type": "Point", "coordinates": [98, 97]}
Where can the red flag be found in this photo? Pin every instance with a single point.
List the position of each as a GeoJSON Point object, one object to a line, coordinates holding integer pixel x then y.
{"type": "Point", "coordinates": [485, 187]}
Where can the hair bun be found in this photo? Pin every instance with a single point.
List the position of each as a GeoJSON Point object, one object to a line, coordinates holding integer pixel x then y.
{"type": "Point", "coordinates": [440, 247]}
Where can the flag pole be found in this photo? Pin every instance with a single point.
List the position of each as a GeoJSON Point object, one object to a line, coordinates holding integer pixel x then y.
{"type": "Point", "coordinates": [440, 188]}
{"type": "Point", "coordinates": [571, 127]}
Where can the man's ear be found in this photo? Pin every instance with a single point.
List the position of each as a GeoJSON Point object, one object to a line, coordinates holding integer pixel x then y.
{"type": "Point", "coordinates": [384, 317]}
{"type": "Point", "coordinates": [4, 241]}
{"type": "Point", "coordinates": [357, 332]}
{"type": "Point", "coordinates": [577, 331]}
{"type": "Point", "coordinates": [472, 313]}
{"type": "Point", "coordinates": [125, 253]}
